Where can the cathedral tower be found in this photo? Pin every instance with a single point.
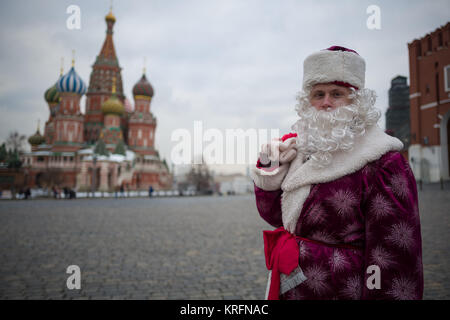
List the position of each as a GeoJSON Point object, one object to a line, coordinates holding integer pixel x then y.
{"type": "Point", "coordinates": [68, 120]}
{"type": "Point", "coordinates": [142, 123]}
{"type": "Point", "coordinates": [52, 98]}
{"type": "Point", "coordinates": [112, 109]}
{"type": "Point", "coordinates": [105, 68]}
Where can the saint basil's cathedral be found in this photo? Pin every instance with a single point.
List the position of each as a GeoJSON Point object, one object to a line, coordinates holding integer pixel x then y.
{"type": "Point", "coordinates": [111, 145]}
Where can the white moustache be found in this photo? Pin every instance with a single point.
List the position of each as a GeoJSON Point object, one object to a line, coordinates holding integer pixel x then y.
{"type": "Point", "coordinates": [321, 133]}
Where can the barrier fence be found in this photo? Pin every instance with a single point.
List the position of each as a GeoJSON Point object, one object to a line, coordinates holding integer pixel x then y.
{"type": "Point", "coordinates": [35, 194]}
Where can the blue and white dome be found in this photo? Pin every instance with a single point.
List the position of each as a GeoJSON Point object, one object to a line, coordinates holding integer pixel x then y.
{"type": "Point", "coordinates": [71, 82]}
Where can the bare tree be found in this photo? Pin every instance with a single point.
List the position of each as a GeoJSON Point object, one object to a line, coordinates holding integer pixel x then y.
{"type": "Point", "coordinates": [15, 141]}
{"type": "Point", "coordinates": [200, 177]}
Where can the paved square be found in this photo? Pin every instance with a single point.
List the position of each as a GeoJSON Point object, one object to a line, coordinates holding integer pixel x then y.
{"type": "Point", "coordinates": [164, 248]}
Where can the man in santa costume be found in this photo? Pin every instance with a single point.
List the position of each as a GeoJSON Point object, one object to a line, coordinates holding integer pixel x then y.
{"type": "Point", "coordinates": [343, 199]}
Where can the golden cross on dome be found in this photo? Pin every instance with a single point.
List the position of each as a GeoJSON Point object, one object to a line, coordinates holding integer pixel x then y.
{"type": "Point", "coordinates": [145, 62]}
{"type": "Point", "coordinates": [113, 85]}
{"type": "Point", "coordinates": [61, 70]}
{"type": "Point", "coordinates": [110, 16]}
{"type": "Point", "coordinates": [73, 58]}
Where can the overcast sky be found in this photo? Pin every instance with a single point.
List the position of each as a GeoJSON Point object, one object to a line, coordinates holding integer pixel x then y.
{"type": "Point", "coordinates": [229, 63]}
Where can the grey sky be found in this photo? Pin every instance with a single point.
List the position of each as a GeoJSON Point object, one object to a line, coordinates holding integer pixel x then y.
{"type": "Point", "coordinates": [231, 64]}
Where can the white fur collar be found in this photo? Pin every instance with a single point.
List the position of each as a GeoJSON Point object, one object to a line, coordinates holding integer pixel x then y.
{"type": "Point", "coordinates": [297, 183]}
{"type": "Point", "coordinates": [369, 147]}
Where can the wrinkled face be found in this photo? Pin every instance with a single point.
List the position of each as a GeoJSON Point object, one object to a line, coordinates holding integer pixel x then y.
{"type": "Point", "coordinates": [329, 96]}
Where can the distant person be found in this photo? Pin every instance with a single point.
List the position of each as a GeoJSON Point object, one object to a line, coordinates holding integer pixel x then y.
{"type": "Point", "coordinates": [341, 195]}
{"type": "Point", "coordinates": [27, 193]}
{"type": "Point", "coordinates": [150, 191]}
{"type": "Point", "coordinates": [56, 192]}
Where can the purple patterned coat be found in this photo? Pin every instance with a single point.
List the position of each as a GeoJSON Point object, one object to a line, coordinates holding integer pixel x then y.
{"type": "Point", "coordinates": [374, 209]}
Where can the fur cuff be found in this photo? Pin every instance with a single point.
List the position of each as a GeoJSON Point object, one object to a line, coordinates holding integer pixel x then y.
{"type": "Point", "coordinates": [269, 180]}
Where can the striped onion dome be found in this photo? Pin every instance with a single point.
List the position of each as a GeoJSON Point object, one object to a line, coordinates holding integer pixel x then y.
{"type": "Point", "coordinates": [51, 95]}
{"type": "Point", "coordinates": [143, 88]}
{"type": "Point", "coordinates": [128, 106]}
{"type": "Point", "coordinates": [71, 82]}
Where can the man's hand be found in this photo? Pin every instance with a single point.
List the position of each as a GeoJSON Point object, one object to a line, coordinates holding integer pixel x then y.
{"type": "Point", "coordinates": [270, 153]}
{"type": "Point", "coordinates": [278, 152]}
{"type": "Point", "coordinates": [288, 150]}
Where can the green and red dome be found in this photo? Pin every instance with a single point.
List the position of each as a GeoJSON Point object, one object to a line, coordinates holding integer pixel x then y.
{"type": "Point", "coordinates": [51, 95]}
{"type": "Point", "coordinates": [143, 88]}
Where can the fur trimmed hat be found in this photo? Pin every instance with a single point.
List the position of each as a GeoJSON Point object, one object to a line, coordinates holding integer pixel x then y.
{"type": "Point", "coordinates": [337, 65]}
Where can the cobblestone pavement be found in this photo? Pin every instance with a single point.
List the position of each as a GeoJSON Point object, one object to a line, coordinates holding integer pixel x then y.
{"type": "Point", "coordinates": [434, 205]}
{"type": "Point", "coordinates": [164, 248]}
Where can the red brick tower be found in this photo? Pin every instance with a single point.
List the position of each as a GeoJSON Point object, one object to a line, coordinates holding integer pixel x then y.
{"type": "Point", "coordinates": [105, 68]}
{"type": "Point", "coordinates": [429, 69]}
{"type": "Point", "coordinates": [52, 97]}
{"type": "Point", "coordinates": [112, 109]}
{"type": "Point", "coordinates": [142, 123]}
{"type": "Point", "coordinates": [68, 120]}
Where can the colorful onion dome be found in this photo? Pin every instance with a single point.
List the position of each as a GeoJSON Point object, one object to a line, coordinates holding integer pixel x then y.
{"type": "Point", "coordinates": [143, 88]}
{"type": "Point", "coordinates": [71, 82]}
{"type": "Point", "coordinates": [113, 104]}
{"type": "Point", "coordinates": [36, 139]}
{"type": "Point", "coordinates": [51, 95]}
{"type": "Point", "coordinates": [128, 106]}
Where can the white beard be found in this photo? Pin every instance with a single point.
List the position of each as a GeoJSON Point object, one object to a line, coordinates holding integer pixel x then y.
{"type": "Point", "coordinates": [322, 133]}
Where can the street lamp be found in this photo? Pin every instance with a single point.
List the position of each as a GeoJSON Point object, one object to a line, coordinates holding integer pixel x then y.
{"type": "Point", "coordinates": [174, 179]}
{"type": "Point", "coordinates": [438, 126]}
{"type": "Point", "coordinates": [93, 174]}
